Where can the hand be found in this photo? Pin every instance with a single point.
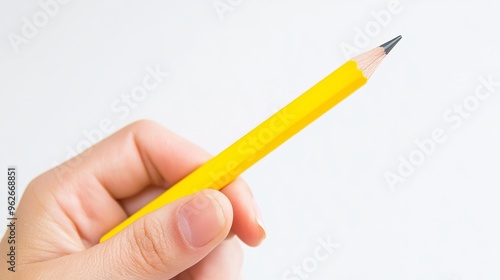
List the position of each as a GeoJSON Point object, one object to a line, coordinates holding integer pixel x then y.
{"type": "Point", "coordinates": [65, 211]}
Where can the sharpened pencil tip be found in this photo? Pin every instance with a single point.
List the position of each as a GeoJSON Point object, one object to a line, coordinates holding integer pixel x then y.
{"type": "Point", "coordinates": [390, 44]}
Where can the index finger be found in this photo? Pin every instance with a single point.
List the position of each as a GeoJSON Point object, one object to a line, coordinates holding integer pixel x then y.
{"type": "Point", "coordinates": [140, 155]}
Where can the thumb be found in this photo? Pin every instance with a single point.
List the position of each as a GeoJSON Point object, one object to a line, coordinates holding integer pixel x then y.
{"type": "Point", "coordinates": [161, 244]}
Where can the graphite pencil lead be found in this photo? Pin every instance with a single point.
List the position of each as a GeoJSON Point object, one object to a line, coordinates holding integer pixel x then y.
{"type": "Point", "coordinates": [390, 44]}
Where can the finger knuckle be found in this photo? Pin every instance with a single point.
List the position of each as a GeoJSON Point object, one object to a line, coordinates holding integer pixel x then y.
{"type": "Point", "coordinates": [143, 125]}
{"type": "Point", "coordinates": [151, 254]}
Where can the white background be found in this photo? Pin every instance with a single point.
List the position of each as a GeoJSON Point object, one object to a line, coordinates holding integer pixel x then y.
{"type": "Point", "coordinates": [228, 74]}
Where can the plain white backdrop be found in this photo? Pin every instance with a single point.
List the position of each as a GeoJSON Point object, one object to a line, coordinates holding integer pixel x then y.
{"type": "Point", "coordinates": [231, 64]}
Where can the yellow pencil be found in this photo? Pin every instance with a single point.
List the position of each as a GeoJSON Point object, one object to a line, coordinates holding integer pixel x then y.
{"type": "Point", "coordinates": [230, 163]}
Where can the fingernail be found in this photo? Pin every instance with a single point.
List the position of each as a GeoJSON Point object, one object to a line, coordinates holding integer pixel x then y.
{"type": "Point", "coordinates": [258, 217]}
{"type": "Point", "coordinates": [201, 219]}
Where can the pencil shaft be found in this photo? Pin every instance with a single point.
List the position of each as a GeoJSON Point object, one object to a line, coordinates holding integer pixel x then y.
{"type": "Point", "coordinates": [230, 163]}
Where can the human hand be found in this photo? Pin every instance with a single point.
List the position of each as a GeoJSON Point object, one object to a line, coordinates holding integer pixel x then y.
{"type": "Point", "coordinates": [65, 211]}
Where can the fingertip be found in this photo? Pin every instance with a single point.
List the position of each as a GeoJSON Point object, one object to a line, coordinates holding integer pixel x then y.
{"type": "Point", "coordinates": [248, 222]}
{"type": "Point", "coordinates": [259, 220]}
{"type": "Point", "coordinates": [225, 207]}
{"type": "Point", "coordinates": [205, 219]}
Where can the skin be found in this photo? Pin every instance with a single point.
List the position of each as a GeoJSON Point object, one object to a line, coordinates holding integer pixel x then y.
{"type": "Point", "coordinates": [65, 211]}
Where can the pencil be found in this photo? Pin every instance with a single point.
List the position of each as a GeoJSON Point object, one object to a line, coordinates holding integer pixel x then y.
{"type": "Point", "coordinates": [230, 163]}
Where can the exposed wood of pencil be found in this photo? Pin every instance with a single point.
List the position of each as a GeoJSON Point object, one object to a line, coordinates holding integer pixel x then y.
{"type": "Point", "coordinates": [369, 61]}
